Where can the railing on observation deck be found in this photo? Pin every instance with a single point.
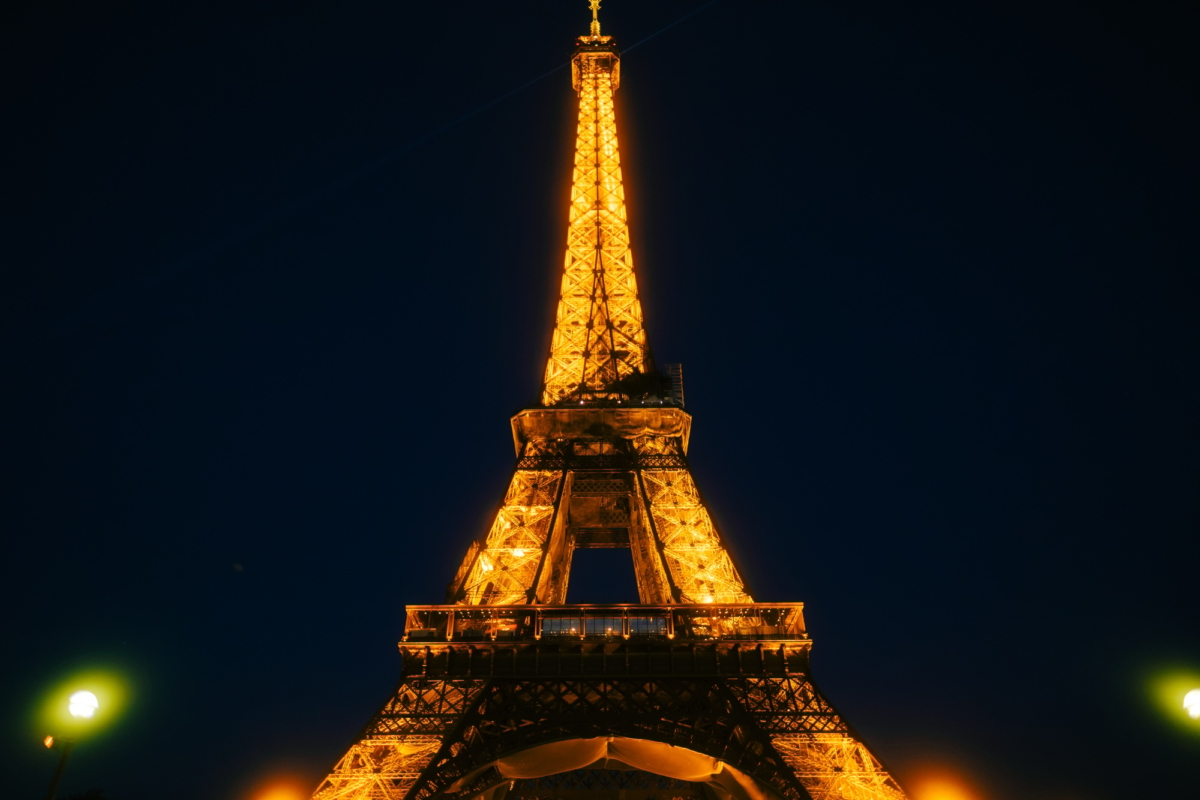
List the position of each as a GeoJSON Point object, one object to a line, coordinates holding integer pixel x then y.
{"type": "Point", "coordinates": [743, 621]}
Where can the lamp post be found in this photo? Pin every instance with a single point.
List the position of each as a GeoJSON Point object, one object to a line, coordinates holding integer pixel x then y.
{"type": "Point", "coordinates": [82, 705]}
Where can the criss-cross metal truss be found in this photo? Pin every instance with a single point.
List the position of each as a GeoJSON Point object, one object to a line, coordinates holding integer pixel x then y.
{"type": "Point", "coordinates": [504, 568]}
{"type": "Point", "coordinates": [749, 703]}
{"type": "Point", "coordinates": [571, 486]}
{"type": "Point", "coordinates": [598, 337]}
{"type": "Point", "coordinates": [505, 666]}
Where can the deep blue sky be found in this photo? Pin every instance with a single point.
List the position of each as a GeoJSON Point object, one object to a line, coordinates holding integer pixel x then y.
{"type": "Point", "coordinates": [931, 272]}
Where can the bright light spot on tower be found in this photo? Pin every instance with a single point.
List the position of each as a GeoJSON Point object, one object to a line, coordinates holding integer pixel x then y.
{"type": "Point", "coordinates": [83, 705]}
{"type": "Point", "coordinates": [1191, 702]}
{"type": "Point", "coordinates": [708, 598]}
{"type": "Point", "coordinates": [518, 552]}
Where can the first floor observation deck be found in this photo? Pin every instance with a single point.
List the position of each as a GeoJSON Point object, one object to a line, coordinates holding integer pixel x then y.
{"type": "Point", "coordinates": [541, 641]}
{"type": "Point", "coordinates": [445, 624]}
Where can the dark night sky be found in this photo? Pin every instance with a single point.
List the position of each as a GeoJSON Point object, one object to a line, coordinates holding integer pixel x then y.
{"type": "Point", "coordinates": [931, 272]}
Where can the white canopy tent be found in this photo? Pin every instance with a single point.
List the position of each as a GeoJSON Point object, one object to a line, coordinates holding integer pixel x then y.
{"type": "Point", "coordinates": [725, 782]}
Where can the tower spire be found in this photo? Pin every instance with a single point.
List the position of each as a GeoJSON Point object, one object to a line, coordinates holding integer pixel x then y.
{"type": "Point", "coordinates": [599, 351]}
{"type": "Point", "coordinates": [595, 6]}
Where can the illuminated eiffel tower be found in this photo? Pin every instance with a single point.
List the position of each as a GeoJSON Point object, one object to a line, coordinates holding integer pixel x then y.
{"type": "Point", "coordinates": [694, 692]}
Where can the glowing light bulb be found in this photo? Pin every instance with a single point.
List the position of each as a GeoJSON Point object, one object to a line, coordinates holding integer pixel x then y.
{"type": "Point", "coordinates": [83, 705]}
{"type": "Point", "coordinates": [518, 552]}
{"type": "Point", "coordinates": [1191, 702]}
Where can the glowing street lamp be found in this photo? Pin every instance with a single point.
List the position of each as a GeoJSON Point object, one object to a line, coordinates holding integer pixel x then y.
{"type": "Point", "coordinates": [81, 705]}
{"type": "Point", "coordinates": [1191, 703]}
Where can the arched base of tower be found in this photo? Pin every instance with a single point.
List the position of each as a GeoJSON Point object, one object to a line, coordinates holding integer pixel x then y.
{"type": "Point", "coordinates": [608, 767]}
{"type": "Point", "coordinates": [756, 731]}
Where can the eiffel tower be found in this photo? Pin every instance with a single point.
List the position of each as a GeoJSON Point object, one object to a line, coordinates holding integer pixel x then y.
{"type": "Point", "coordinates": [696, 691]}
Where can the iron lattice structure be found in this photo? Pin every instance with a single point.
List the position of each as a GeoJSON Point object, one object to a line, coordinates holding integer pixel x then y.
{"type": "Point", "coordinates": [504, 669]}
{"type": "Point", "coordinates": [598, 335]}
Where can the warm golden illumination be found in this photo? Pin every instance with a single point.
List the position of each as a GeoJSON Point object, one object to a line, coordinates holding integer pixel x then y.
{"type": "Point", "coordinates": [598, 335]}
{"type": "Point", "coordinates": [281, 788]}
{"type": "Point", "coordinates": [699, 564]}
{"type": "Point", "coordinates": [504, 571]}
{"type": "Point", "coordinates": [507, 665]}
{"type": "Point", "coordinates": [836, 767]}
{"type": "Point", "coordinates": [598, 350]}
{"type": "Point", "coordinates": [48, 741]}
{"type": "Point", "coordinates": [595, 6]}
{"type": "Point", "coordinates": [942, 785]}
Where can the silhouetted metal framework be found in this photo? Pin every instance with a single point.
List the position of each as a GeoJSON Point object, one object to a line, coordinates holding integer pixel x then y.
{"type": "Point", "coordinates": [728, 681]}
{"type": "Point", "coordinates": [505, 666]}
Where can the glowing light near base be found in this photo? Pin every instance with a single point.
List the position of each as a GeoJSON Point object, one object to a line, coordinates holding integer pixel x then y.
{"type": "Point", "coordinates": [1191, 703]}
{"type": "Point", "coordinates": [83, 705]}
{"type": "Point", "coordinates": [942, 784]}
{"type": "Point", "coordinates": [281, 788]}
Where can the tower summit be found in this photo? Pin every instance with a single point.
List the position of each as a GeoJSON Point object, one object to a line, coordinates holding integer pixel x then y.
{"type": "Point", "coordinates": [599, 348]}
{"type": "Point", "coordinates": [694, 692]}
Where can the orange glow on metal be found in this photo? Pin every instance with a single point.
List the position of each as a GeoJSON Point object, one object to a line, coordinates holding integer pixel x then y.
{"type": "Point", "coordinates": [598, 465]}
{"type": "Point", "coordinates": [599, 341]}
{"type": "Point", "coordinates": [598, 334]}
{"type": "Point", "coordinates": [694, 554]}
{"type": "Point", "coordinates": [505, 570]}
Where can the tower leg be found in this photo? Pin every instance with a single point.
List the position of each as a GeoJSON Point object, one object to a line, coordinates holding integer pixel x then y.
{"type": "Point", "coordinates": [399, 743]}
